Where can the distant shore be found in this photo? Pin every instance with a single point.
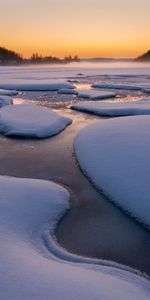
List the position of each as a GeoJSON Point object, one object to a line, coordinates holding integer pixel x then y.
{"type": "Point", "coordinates": [11, 58]}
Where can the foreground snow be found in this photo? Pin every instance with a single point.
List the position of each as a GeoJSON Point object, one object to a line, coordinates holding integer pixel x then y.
{"type": "Point", "coordinates": [28, 208]}
{"type": "Point", "coordinates": [95, 95]}
{"type": "Point", "coordinates": [141, 107]}
{"type": "Point", "coordinates": [31, 121]}
{"type": "Point", "coordinates": [5, 100]}
{"type": "Point", "coordinates": [115, 154]}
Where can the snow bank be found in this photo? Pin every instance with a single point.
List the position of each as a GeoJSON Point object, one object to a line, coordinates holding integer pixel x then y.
{"type": "Point", "coordinates": [114, 109]}
{"type": "Point", "coordinates": [95, 95]}
{"type": "Point", "coordinates": [31, 121]}
{"type": "Point", "coordinates": [29, 271]}
{"type": "Point", "coordinates": [147, 91]}
{"type": "Point", "coordinates": [8, 92]}
{"type": "Point", "coordinates": [115, 156]}
{"type": "Point", "coordinates": [68, 91]}
{"type": "Point", "coordinates": [117, 86]}
{"type": "Point", "coordinates": [5, 100]}
{"type": "Point", "coordinates": [31, 85]}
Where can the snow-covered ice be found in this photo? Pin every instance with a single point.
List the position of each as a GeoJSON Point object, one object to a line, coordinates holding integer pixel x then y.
{"type": "Point", "coordinates": [141, 107]}
{"type": "Point", "coordinates": [29, 270]}
{"type": "Point", "coordinates": [117, 86]}
{"type": "Point", "coordinates": [95, 95]}
{"type": "Point", "coordinates": [8, 92]}
{"type": "Point", "coordinates": [31, 121]}
{"type": "Point", "coordinates": [68, 91]}
{"type": "Point", "coordinates": [56, 77]}
{"type": "Point", "coordinates": [115, 154]}
{"type": "Point", "coordinates": [31, 85]}
{"type": "Point", "coordinates": [5, 100]}
{"type": "Point", "coordinates": [147, 91]}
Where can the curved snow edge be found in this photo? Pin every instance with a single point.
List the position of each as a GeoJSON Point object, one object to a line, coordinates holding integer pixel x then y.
{"type": "Point", "coordinates": [51, 243]}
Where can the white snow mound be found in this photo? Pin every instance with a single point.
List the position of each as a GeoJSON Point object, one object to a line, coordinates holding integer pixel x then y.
{"type": "Point", "coordinates": [68, 91]}
{"type": "Point", "coordinates": [5, 100]}
{"type": "Point", "coordinates": [141, 107]}
{"type": "Point", "coordinates": [95, 95]}
{"type": "Point", "coordinates": [28, 270]}
{"type": "Point", "coordinates": [147, 91]}
{"type": "Point", "coordinates": [8, 92]}
{"type": "Point", "coordinates": [31, 121]}
{"type": "Point", "coordinates": [117, 86]}
{"type": "Point", "coordinates": [32, 85]}
{"type": "Point", "coordinates": [115, 154]}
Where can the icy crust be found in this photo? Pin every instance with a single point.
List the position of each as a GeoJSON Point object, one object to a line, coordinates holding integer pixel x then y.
{"type": "Point", "coordinates": [31, 85]}
{"type": "Point", "coordinates": [28, 120]}
{"type": "Point", "coordinates": [147, 91]}
{"type": "Point", "coordinates": [141, 107]}
{"type": "Point", "coordinates": [91, 94]}
{"type": "Point", "coordinates": [68, 91]}
{"type": "Point", "coordinates": [95, 95]}
{"type": "Point", "coordinates": [115, 156]}
{"type": "Point", "coordinates": [117, 86]}
{"type": "Point", "coordinates": [5, 100]}
{"type": "Point", "coordinates": [8, 93]}
{"type": "Point", "coordinates": [28, 270]}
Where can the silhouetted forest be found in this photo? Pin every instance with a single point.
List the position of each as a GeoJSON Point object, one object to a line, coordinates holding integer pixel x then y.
{"type": "Point", "coordinates": [145, 57]}
{"type": "Point", "coordinates": [9, 57]}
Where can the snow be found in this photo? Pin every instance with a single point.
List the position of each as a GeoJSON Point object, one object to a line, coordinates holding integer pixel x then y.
{"type": "Point", "coordinates": [95, 95]}
{"type": "Point", "coordinates": [115, 156]}
{"type": "Point", "coordinates": [32, 85]}
{"type": "Point", "coordinates": [28, 208]}
{"type": "Point", "coordinates": [124, 72]}
{"type": "Point", "coordinates": [56, 77]}
{"type": "Point", "coordinates": [68, 91]}
{"type": "Point", "coordinates": [117, 86]}
{"type": "Point", "coordinates": [147, 91]}
{"type": "Point", "coordinates": [8, 92]}
{"type": "Point", "coordinates": [5, 100]}
{"type": "Point", "coordinates": [31, 121]}
{"type": "Point", "coordinates": [141, 107]}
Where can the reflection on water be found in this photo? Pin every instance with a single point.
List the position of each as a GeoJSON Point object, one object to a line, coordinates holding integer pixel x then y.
{"type": "Point", "coordinates": [83, 86]}
{"type": "Point", "coordinates": [55, 100]}
{"type": "Point", "coordinates": [17, 101]}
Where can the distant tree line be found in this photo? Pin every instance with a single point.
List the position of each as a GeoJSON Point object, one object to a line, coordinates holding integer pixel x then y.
{"type": "Point", "coordinates": [9, 57]}
{"type": "Point", "coordinates": [36, 58]}
{"type": "Point", "coordinates": [144, 57]}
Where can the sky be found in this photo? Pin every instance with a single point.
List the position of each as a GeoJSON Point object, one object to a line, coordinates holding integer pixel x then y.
{"type": "Point", "coordinates": [87, 28]}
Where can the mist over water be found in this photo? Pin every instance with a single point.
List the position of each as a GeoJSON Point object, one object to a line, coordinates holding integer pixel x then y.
{"type": "Point", "coordinates": [80, 69]}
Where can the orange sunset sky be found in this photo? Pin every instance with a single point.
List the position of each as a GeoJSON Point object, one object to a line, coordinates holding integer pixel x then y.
{"type": "Point", "coordinates": [118, 28]}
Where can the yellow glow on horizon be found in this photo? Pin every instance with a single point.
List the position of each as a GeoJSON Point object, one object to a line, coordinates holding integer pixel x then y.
{"type": "Point", "coordinates": [87, 28]}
